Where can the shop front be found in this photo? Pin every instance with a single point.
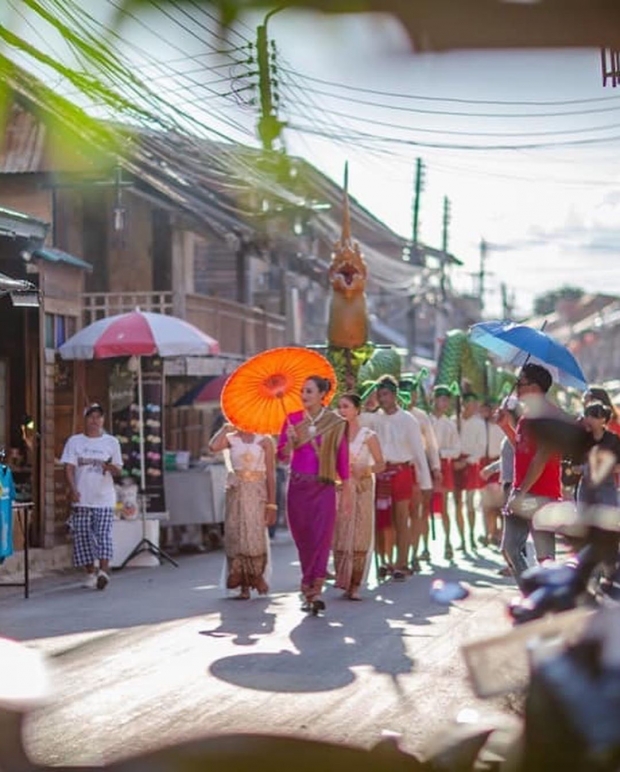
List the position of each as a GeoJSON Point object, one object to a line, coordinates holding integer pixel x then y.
{"type": "Point", "coordinates": [39, 306]}
{"type": "Point", "coordinates": [132, 388]}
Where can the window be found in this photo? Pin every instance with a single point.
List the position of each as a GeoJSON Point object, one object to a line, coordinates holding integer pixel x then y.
{"type": "Point", "coordinates": [58, 329]}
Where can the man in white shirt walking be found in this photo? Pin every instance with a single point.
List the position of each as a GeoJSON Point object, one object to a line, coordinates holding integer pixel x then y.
{"type": "Point", "coordinates": [92, 460]}
{"type": "Point", "coordinates": [449, 444]}
{"type": "Point", "coordinates": [401, 442]}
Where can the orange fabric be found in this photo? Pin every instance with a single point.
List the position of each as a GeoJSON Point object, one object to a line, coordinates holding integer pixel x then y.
{"type": "Point", "coordinates": [261, 392]}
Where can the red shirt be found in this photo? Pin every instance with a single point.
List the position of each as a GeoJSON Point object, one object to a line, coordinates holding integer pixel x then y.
{"type": "Point", "coordinates": [613, 426]}
{"type": "Point", "coordinates": [549, 483]}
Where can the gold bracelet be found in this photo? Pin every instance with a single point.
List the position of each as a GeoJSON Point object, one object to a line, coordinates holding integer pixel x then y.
{"type": "Point", "coordinates": [271, 506]}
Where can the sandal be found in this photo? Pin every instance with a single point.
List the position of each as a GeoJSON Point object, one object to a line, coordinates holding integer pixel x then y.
{"type": "Point", "coordinates": [317, 606]}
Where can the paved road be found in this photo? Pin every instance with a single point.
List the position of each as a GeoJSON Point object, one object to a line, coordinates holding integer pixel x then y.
{"type": "Point", "coordinates": [161, 656]}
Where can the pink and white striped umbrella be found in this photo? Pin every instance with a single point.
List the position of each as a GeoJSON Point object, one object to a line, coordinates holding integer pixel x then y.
{"type": "Point", "coordinates": [138, 333]}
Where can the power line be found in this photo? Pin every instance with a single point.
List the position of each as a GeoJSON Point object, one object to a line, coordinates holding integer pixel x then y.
{"type": "Point", "coordinates": [476, 133]}
{"type": "Point", "coordinates": [447, 146]}
{"type": "Point", "coordinates": [204, 11]}
{"type": "Point", "coordinates": [454, 113]}
{"type": "Point", "coordinates": [457, 100]}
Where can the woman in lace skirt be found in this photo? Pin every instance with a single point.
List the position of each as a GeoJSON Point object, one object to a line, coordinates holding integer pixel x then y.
{"type": "Point", "coordinates": [250, 507]}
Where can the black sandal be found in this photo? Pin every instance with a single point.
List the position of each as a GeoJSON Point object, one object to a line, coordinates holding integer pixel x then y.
{"type": "Point", "coordinates": [318, 605]}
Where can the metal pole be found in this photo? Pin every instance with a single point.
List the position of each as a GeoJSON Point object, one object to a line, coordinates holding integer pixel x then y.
{"type": "Point", "coordinates": [141, 429]}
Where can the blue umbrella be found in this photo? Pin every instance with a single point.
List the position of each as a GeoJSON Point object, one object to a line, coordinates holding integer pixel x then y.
{"type": "Point", "coordinates": [517, 344]}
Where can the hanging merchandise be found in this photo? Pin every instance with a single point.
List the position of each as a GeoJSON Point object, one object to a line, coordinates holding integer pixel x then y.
{"type": "Point", "coordinates": [143, 467]}
{"type": "Point", "coordinates": [7, 496]}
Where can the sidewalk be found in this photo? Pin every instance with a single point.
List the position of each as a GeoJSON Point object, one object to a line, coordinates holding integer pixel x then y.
{"type": "Point", "coordinates": [59, 605]}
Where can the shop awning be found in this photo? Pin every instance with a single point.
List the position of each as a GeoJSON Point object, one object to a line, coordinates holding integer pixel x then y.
{"type": "Point", "coordinates": [208, 389]}
{"type": "Point", "coordinates": [19, 225]}
{"type": "Point", "coordinates": [53, 255]}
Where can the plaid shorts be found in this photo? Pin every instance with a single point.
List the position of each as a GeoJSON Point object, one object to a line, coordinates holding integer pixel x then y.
{"type": "Point", "coordinates": [92, 534]}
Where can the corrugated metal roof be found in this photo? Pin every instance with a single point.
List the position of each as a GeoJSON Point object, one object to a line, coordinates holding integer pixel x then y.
{"type": "Point", "coordinates": [23, 149]}
{"type": "Point", "coordinates": [58, 256]}
{"type": "Point", "coordinates": [18, 224]}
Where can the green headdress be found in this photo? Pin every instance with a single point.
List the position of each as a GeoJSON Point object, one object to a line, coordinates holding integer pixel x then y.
{"type": "Point", "coordinates": [409, 383]}
{"type": "Point", "coordinates": [445, 390]}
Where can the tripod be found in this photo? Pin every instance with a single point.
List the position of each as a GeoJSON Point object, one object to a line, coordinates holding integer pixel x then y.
{"type": "Point", "coordinates": [145, 544]}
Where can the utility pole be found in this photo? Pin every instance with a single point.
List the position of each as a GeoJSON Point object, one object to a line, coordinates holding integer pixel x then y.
{"type": "Point", "coordinates": [507, 302]}
{"type": "Point", "coordinates": [269, 127]}
{"type": "Point", "coordinates": [418, 188]}
{"type": "Point", "coordinates": [445, 238]}
{"type": "Point", "coordinates": [445, 225]}
{"type": "Point", "coordinates": [484, 250]}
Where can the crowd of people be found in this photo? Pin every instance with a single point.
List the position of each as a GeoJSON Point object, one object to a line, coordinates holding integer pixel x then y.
{"type": "Point", "coordinates": [367, 476]}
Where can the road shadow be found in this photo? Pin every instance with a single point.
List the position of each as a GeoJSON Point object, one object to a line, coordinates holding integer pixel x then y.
{"type": "Point", "coordinates": [326, 648]}
{"type": "Point", "coordinates": [326, 651]}
{"type": "Point", "coordinates": [245, 622]}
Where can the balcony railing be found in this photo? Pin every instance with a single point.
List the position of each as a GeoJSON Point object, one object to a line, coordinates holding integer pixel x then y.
{"type": "Point", "coordinates": [239, 329]}
{"type": "Point", "coordinates": [97, 305]}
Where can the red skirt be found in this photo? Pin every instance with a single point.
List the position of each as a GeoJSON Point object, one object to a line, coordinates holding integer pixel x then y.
{"type": "Point", "coordinates": [394, 484]}
{"type": "Point", "coordinates": [468, 478]}
{"type": "Point", "coordinates": [447, 475]}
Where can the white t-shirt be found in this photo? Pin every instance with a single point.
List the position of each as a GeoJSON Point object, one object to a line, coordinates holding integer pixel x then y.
{"type": "Point", "coordinates": [87, 455]}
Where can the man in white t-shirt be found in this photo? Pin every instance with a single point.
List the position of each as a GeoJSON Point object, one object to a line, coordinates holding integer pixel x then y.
{"type": "Point", "coordinates": [92, 460]}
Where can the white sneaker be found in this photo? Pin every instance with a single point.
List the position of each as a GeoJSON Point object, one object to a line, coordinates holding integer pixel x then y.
{"type": "Point", "coordinates": [102, 580]}
{"type": "Point", "coordinates": [90, 582]}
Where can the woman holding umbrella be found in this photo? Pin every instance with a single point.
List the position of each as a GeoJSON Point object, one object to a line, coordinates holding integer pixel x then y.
{"type": "Point", "coordinates": [314, 441]}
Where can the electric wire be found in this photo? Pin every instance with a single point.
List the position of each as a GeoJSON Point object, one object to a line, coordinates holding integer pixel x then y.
{"type": "Point", "coordinates": [459, 100]}
{"type": "Point", "coordinates": [455, 113]}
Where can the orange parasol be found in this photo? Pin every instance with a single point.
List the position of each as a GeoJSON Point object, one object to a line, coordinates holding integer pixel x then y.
{"type": "Point", "coordinates": [260, 392]}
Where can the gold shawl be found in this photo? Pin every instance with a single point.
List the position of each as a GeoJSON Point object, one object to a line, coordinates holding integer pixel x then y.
{"type": "Point", "coordinates": [331, 428]}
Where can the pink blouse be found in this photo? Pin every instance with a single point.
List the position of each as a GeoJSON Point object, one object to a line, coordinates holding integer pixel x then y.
{"type": "Point", "coordinates": [305, 459]}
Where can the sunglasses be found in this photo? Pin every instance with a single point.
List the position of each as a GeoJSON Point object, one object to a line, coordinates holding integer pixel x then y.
{"type": "Point", "coordinates": [596, 412]}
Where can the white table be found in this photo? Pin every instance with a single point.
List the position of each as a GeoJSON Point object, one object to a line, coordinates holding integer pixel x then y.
{"type": "Point", "coordinates": [196, 496]}
{"type": "Point", "coordinates": [125, 536]}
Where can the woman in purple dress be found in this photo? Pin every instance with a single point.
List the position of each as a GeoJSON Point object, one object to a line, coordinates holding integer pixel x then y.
{"type": "Point", "coordinates": [314, 441]}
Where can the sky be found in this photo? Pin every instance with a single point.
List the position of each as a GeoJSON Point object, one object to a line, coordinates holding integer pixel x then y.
{"type": "Point", "coordinates": [550, 216]}
{"type": "Point", "coordinates": [547, 203]}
